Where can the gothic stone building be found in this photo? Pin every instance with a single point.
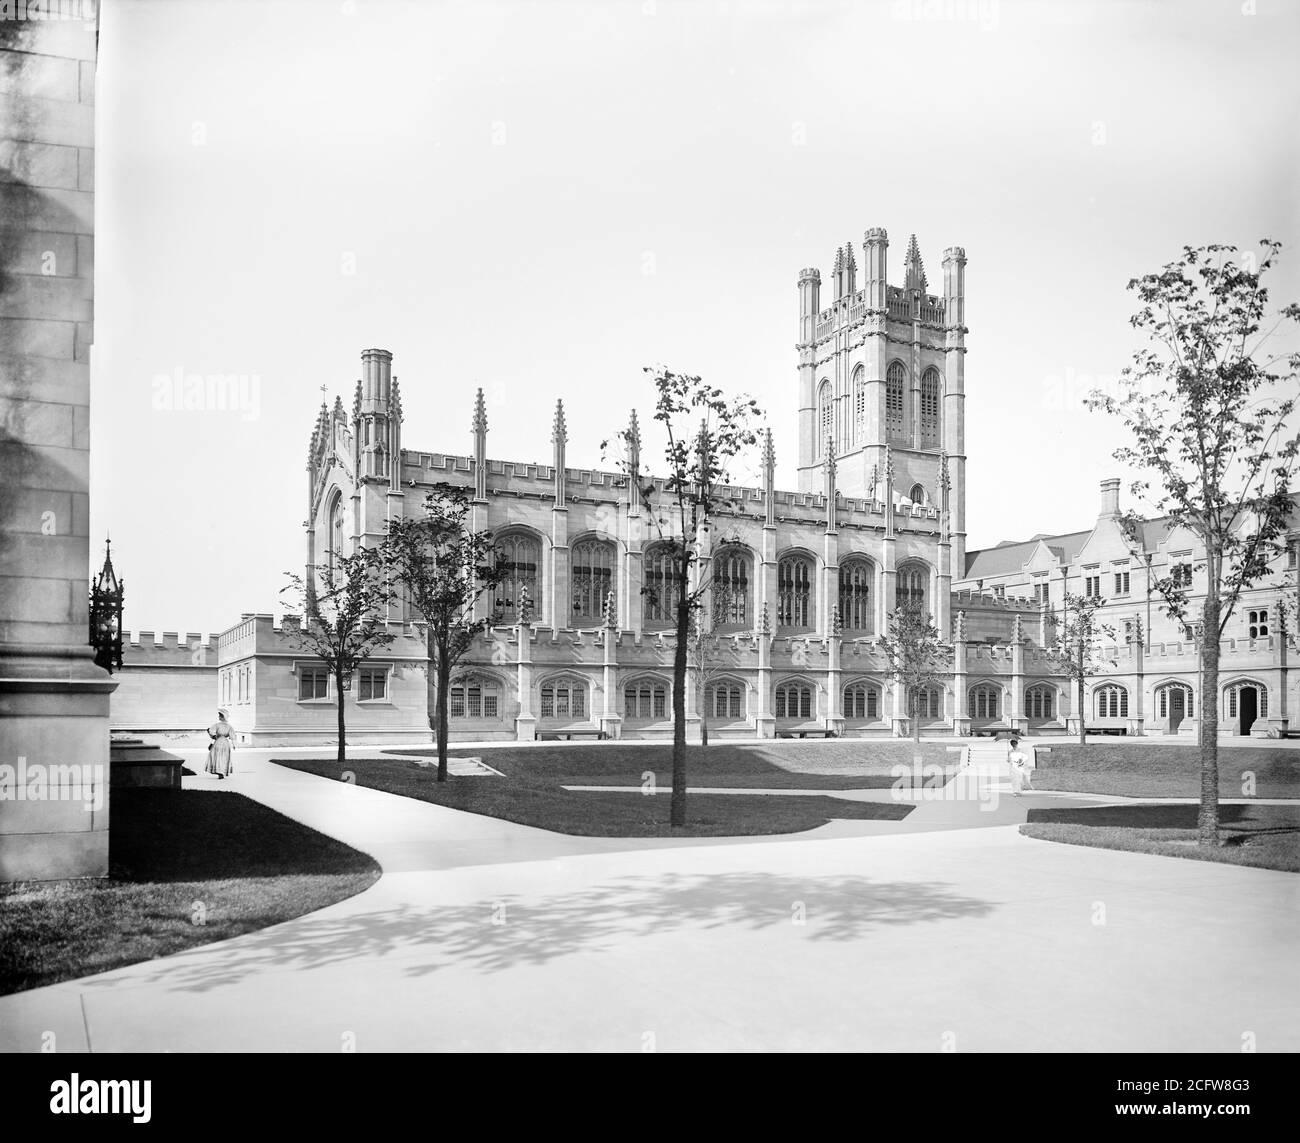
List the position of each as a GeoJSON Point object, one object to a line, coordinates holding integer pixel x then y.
{"type": "Point", "coordinates": [803, 579]}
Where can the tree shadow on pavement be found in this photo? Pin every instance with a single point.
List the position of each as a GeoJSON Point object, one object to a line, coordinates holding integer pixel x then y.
{"type": "Point", "coordinates": [503, 931]}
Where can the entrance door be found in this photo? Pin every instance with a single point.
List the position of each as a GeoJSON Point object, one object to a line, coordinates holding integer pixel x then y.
{"type": "Point", "coordinates": [1177, 702]}
{"type": "Point", "coordinates": [1248, 708]}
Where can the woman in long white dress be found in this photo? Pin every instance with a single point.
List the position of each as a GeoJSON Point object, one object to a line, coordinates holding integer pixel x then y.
{"type": "Point", "coordinates": [1019, 768]}
{"type": "Point", "coordinates": [219, 752]}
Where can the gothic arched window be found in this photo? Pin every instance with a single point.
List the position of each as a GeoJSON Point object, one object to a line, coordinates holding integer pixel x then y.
{"type": "Point", "coordinates": [983, 700]}
{"type": "Point", "coordinates": [520, 555]}
{"type": "Point", "coordinates": [1112, 701]}
{"type": "Point", "coordinates": [592, 578]}
{"type": "Point", "coordinates": [912, 583]}
{"type": "Point", "coordinates": [564, 698]}
{"type": "Point", "coordinates": [725, 700]}
{"type": "Point", "coordinates": [795, 700]}
{"type": "Point", "coordinates": [859, 405]}
{"type": "Point", "coordinates": [1040, 701]}
{"type": "Point", "coordinates": [896, 401]}
{"type": "Point", "coordinates": [917, 495]}
{"type": "Point", "coordinates": [662, 581]}
{"type": "Point", "coordinates": [731, 579]}
{"type": "Point", "coordinates": [645, 699]}
{"type": "Point", "coordinates": [825, 415]}
{"type": "Point", "coordinates": [334, 538]}
{"type": "Point", "coordinates": [856, 612]}
{"type": "Point", "coordinates": [794, 593]}
{"type": "Point", "coordinates": [862, 702]}
{"type": "Point", "coordinates": [930, 387]}
{"type": "Point", "coordinates": [474, 698]}
{"type": "Point", "coordinates": [929, 702]}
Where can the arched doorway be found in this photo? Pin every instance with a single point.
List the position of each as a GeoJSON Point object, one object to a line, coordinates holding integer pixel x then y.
{"type": "Point", "coordinates": [1247, 701]}
{"type": "Point", "coordinates": [1173, 704]}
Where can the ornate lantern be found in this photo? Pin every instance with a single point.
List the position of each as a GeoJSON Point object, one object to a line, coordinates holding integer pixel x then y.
{"type": "Point", "coordinates": [106, 615]}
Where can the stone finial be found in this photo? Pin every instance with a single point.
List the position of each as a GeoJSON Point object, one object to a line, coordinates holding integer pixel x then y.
{"type": "Point", "coordinates": [915, 270]}
{"type": "Point", "coordinates": [959, 627]}
{"type": "Point", "coordinates": [523, 608]}
{"type": "Point", "coordinates": [769, 452]}
{"type": "Point", "coordinates": [1017, 635]}
{"type": "Point", "coordinates": [839, 259]}
{"type": "Point", "coordinates": [875, 480]}
{"type": "Point", "coordinates": [479, 424]}
{"type": "Point", "coordinates": [611, 612]}
{"type": "Point", "coordinates": [837, 624]}
{"type": "Point", "coordinates": [356, 403]}
{"type": "Point", "coordinates": [945, 481]}
{"type": "Point", "coordinates": [849, 263]}
{"type": "Point", "coordinates": [559, 430]}
{"type": "Point", "coordinates": [396, 399]}
{"type": "Point", "coordinates": [765, 622]}
{"type": "Point", "coordinates": [889, 466]}
{"type": "Point", "coordinates": [339, 414]}
{"type": "Point", "coordinates": [634, 435]}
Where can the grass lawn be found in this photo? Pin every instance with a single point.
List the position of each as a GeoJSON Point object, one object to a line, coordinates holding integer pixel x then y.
{"type": "Point", "coordinates": [1138, 771]}
{"type": "Point", "coordinates": [177, 858]}
{"type": "Point", "coordinates": [1267, 837]}
{"type": "Point", "coordinates": [531, 791]}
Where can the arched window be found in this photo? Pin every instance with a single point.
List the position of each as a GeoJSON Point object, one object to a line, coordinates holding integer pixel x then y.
{"type": "Point", "coordinates": [930, 408]}
{"type": "Point", "coordinates": [856, 613]}
{"type": "Point", "coordinates": [725, 700]}
{"type": "Point", "coordinates": [662, 580]}
{"type": "Point", "coordinates": [825, 416]}
{"type": "Point", "coordinates": [862, 701]}
{"type": "Point", "coordinates": [645, 699]}
{"type": "Point", "coordinates": [1233, 694]}
{"type": "Point", "coordinates": [564, 698]}
{"type": "Point", "coordinates": [795, 700]}
{"type": "Point", "coordinates": [794, 593]}
{"type": "Point", "coordinates": [474, 698]}
{"type": "Point", "coordinates": [1040, 701]}
{"type": "Point", "coordinates": [380, 461]}
{"type": "Point", "coordinates": [911, 586]}
{"type": "Point", "coordinates": [335, 535]}
{"type": "Point", "coordinates": [983, 700]}
{"type": "Point", "coordinates": [896, 401]}
{"type": "Point", "coordinates": [592, 578]}
{"type": "Point", "coordinates": [730, 588]}
{"type": "Point", "coordinates": [1112, 702]}
{"type": "Point", "coordinates": [929, 702]}
{"type": "Point", "coordinates": [917, 495]}
{"type": "Point", "coordinates": [859, 405]}
{"type": "Point", "coordinates": [520, 555]}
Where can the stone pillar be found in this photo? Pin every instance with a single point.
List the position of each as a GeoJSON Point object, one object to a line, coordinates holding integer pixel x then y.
{"type": "Point", "coordinates": [1137, 649]}
{"type": "Point", "coordinates": [526, 721]}
{"type": "Point", "coordinates": [53, 699]}
{"type": "Point", "coordinates": [764, 720]}
{"type": "Point", "coordinates": [611, 721]}
{"type": "Point", "coordinates": [960, 718]}
{"type": "Point", "coordinates": [1019, 723]}
{"type": "Point", "coordinates": [834, 678]}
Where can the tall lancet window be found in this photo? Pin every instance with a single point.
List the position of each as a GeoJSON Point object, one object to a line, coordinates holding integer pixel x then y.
{"type": "Point", "coordinates": [930, 387]}
{"type": "Point", "coordinates": [520, 555]}
{"type": "Point", "coordinates": [859, 405]}
{"type": "Point", "coordinates": [856, 614]}
{"type": "Point", "coordinates": [825, 416]}
{"type": "Point", "coordinates": [896, 401]}
{"type": "Point", "coordinates": [593, 578]}
{"type": "Point", "coordinates": [794, 593]}
{"type": "Point", "coordinates": [730, 588]}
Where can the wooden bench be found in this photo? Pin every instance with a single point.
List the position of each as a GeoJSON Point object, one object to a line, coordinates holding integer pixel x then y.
{"type": "Point", "coordinates": [821, 732]}
{"type": "Point", "coordinates": [1113, 730]}
{"type": "Point", "coordinates": [570, 734]}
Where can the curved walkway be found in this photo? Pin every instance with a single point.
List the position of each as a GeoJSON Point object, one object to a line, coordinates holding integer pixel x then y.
{"type": "Point", "coordinates": [947, 930]}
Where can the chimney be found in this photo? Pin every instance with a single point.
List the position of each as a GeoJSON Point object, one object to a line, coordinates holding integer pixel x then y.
{"type": "Point", "coordinates": [1110, 497]}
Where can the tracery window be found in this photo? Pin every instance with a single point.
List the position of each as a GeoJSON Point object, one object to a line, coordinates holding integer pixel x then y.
{"type": "Point", "coordinates": [520, 555]}
{"type": "Point", "coordinates": [930, 408]}
{"type": "Point", "coordinates": [1112, 702]}
{"type": "Point", "coordinates": [645, 699]}
{"type": "Point", "coordinates": [862, 701]}
{"type": "Point", "coordinates": [929, 702]}
{"type": "Point", "coordinates": [910, 588]}
{"type": "Point", "coordinates": [794, 700]}
{"type": "Point", "coordinates": [564, 698]}
{"type": "Point", "coordinates": [474, 698]}
{"type": "Point", "coordinates": [983, 701]}
{"type": "Point", "coordinates": [825, 416]}
{"type": "Point", "coordinates": [730, 588]}
{"type": "Point", "coordinates": [725, 700]}
{"type": "Point", "coordinates": [1039, 701]}
{"type": "Point", "coordinates": [855, 596]}
{"type": "Point", "coordinates": [794, 592]}
{"type": "Point", "coordinates": [895, 401]}
{"type": "Point", "coordinates": [662, 583]}
{"type": "Point", "coordinates": [592, 578]}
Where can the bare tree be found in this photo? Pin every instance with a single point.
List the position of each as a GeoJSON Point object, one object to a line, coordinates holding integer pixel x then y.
{"type": "Point", "coordinates": [1210, 415]}
{"type": "Point", "coordinates": [343, 619]}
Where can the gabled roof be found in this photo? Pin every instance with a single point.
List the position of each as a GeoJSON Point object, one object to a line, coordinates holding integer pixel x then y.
{"type": "Point", "coordinates": [1009, 558]}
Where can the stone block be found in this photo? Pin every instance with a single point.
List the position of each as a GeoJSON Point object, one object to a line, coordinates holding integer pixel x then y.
{"type": "Point", "coordinates": [37, 600]}
{"type": "Point", "coordinates": [39, 164]}
{"type": "Point", "coordinates": [43, 378]}
{"type": "Point", "coordinates": [41, 77]}
{"type": "Point", "coordinates": [28, 337]}
{"type": "Point", "coordinates": [47, 120]}
{"type": "Point", "coordinates": [41, 252]}
{"type": "Point", "coordinates": [53, 856]}
{"type": "Point", "coordinates": [85, 169]}
{"type": "Point", "coordinates": [39, 297]}
{"type": "Point", "coordinates": [45, 466]}
{"type": "Point", "coordinates": [37, 511]}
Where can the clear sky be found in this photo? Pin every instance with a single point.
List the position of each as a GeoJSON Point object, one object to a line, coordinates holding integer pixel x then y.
{"type": "Point", "coordinates": [542, 198]}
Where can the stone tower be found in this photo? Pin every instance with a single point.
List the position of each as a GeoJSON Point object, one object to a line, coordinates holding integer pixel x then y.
{"type": "Point", "coordinates": [882, 373]}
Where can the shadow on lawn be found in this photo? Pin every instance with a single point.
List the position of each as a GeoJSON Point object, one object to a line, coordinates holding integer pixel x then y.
{"type": "Point", "coordinates": [529, 930]}
{"type": "Point", "coordinates": [1139, 817]}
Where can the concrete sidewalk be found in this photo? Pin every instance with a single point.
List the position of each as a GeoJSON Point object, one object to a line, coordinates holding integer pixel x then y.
{"type": "Point", "coordinates": [484, 935]}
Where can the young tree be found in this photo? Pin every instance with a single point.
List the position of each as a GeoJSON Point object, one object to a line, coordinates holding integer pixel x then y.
{"type": "Point", "coordinates": [443, 568]}
{"type": "Point", "coordinates": [343, 619]}
{"type": "Point", "coordinates": [917, 656]}
{"type": "Point", "coordinates": [1209, 411]}
{"type": "Point", "coordinates": [704, 432]}
{"type": "Point", "coordinates": [1075, 648]}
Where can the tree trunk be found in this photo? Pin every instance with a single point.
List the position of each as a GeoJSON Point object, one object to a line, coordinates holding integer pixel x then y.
{"type": "Point", "coordinates": [677, 816]}
{"type": "Point", "coordinates": [1083, 714]}
{"type": "Point", "coordinates": [444, 680]}
{"type": "Point", "coordinates": [1207, 820]}
{"type": "Point", "coordinates": [338, 686]}
{"type": "Point", "coordinates": [914, 710]}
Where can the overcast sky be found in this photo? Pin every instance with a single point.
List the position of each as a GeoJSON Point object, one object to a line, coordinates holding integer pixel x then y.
{"type": "Point", "coordinates": [542, 198]}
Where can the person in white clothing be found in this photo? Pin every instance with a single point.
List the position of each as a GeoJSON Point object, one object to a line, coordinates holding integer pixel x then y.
{"type": "Point", "coordinates": [1020, 768]}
